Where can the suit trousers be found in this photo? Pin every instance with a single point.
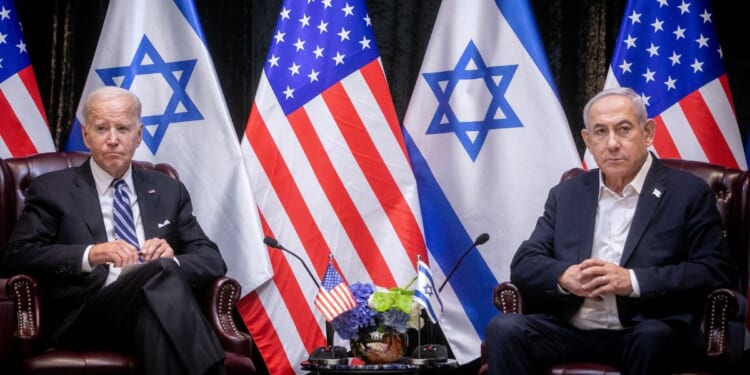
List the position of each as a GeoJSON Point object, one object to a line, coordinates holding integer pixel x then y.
{"type": "Point", "coordinates": [151, 312]}
{"type": "Point", "coordinates": [527, 344]}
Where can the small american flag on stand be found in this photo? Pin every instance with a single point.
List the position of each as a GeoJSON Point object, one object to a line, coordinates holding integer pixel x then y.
{"type": "Point", "coordinates": [669, 52]}
{"type": "Point", "coordinates": [334, 297]}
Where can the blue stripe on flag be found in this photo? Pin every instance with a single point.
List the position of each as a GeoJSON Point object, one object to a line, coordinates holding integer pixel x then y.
{"type": "Point", "coordinates": [446, 237]}
{"type": "Point", "coordinates": [75, 139]}
{"type": "Point", "coordinates": [518, 14]}
{"type": "Point", "coordinates": [187, 8]}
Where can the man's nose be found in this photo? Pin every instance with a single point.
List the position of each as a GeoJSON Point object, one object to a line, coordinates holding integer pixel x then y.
{"type": "Point", "coordinates": [112, 136]}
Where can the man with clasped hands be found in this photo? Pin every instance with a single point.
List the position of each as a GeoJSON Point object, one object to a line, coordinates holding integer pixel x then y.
{"type": "Point", "coordinates": [106, 293]}
{"type": "Point", "coordinates": [619, 265]}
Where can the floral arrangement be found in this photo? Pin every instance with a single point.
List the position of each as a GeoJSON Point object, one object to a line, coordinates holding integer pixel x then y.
{"type": "Point", "coordinates": [378, 307]}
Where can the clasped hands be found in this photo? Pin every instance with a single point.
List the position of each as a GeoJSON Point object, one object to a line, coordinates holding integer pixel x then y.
{"type": "Point", "coordinates": [593, 278]}
{"type": "Point", "coordinates": [120, 253]}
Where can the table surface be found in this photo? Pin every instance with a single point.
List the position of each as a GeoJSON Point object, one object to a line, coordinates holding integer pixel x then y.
{"type": "Point", "coordinates": [447, 367]}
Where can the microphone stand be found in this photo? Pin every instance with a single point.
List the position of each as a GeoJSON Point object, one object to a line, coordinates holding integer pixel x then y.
{"type": "Point", "coordinates": [325, 355]}
{"type": "Point", "coordinates": [431, 353]}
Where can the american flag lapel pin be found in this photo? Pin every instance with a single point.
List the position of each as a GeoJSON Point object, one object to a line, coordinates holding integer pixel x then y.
{"type": "Point", "coordinates": [656, 193]}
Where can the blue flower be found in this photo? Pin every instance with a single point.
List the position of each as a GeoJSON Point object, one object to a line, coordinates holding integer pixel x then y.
{"type": "Point", "coordinates": [364, 315]}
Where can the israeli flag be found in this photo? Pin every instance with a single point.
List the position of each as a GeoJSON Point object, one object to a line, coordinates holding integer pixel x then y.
{"type": "Point", "coordinates": [426, 294]}
{"type": "Point", "coordinates": [156, 49]}
{"type": "Point", "coordinates": [487, 139]}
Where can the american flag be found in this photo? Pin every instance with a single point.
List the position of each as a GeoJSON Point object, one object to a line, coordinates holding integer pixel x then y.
{"type": "Point", "coordinates": [334, 297]}
{"type": "Point", "coordinates": [330, 173]}
{"type": "Point", "coordinates": [669, 52]}
{"type": "Point", "coordinates": [23, 127]}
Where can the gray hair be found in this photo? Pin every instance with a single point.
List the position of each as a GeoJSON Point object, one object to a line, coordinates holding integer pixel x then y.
{"type": "Point", "coordinates": [109, 92]}
{"type": "Point", "coordinates": [640, 107]}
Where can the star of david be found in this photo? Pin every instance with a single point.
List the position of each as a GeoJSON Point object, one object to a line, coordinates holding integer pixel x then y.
{"type": "Point", "coordinates": [427, 291]}
{"type": "Point", "coordinates": [499, 113]}
{"type": "Point", "coordinates": [176, 74]}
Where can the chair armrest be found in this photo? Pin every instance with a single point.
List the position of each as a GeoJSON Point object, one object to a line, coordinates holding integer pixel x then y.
{"type": "Point", "coordinates": [722, 307]}
{"type": "Point", "coordinates": [218, 305]}
{"type": "Point", "coordinates": [23, 290]}
{"type": "Point", "coordinates": [507, 298]}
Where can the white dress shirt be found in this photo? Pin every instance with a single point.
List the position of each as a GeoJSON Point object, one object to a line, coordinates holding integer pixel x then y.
{"type": "Point", "coordinates": [614, 216]}
{"type": "Point", "coordinates": [106, 192]}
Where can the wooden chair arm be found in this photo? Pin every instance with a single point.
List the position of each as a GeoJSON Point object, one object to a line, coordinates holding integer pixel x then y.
{"type": "Point", "coordinates": [218, 305]}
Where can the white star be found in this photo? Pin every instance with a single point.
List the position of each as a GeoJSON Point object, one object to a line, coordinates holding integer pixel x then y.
{"type": "Point", "coordinates": [285, 13]}
{"type": "Point", "coordinates": [645, 99]}
{"type": "Point", "coordinates": [313, 75]}
{"type": "Point", "coordinates": [323, 27]}
{"type": "Point", "coordinates": [300, 44]}
{"type": "Point", "coordinates": [653, 50]}
{"type": "Point", "coordinates": [657, 25]}
{"type": "Point", "coordinates": [365, 43]}
{"type": "Point", "coordinates": [348, 10]}
{"type": "Point", "coordinates": [662, 3]}
{"type": "Point", "coordinates": [305, 20]}
{"type": "Point", "coordinates": [274, 60]}
{"type": "Point", "coordinates": [367, 19]}
{"type": "Point", "coordinates": [675, 58]}
{"type": "Point", "coordinates": [2, 38]}
{"type": "Point", "coordinates": [721, 53]}
{"type": "Point", "coordinates": [339, 58]}
{"type": "Point", "coordinates": [625, 66]}
{"type": "Point", "coordinates": [318, 52]}
{"type": "Point", "coordinates": [635, 17]}
{"type": "Point", "coordinates": [649, 75]}
{"type": "Point", "coordinates": [279, 37]}
{"type": "Point", "coordinates": [702, 41]}
{"type": "Point", "coordinates": [5, 13]}
{"type": "Point", "coordinates": [344, 34]}
{"type": "Point", "coordinates": [21, 47]}
{"type": "Point", "coordinates": [288, 93]}
{"type": "Point", "coordinates": [294, 69]}
{"type": "Point", "coordinates": [326, 4]}
{"type": "Point", "coordinates": [697, 66]}
{"type": "Point", "coordinates": [679, 32]}
{"type": "Point", "coordinates": [630, 41]}
{"type": "Point", "coordinates": [684, 7]}
{"type": "Point", "coordinates": [670, 83]}
{"type": "Point", "coordinates": [706, 16]}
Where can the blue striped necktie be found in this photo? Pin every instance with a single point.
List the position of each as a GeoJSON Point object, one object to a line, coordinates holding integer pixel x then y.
{"type": "Point", "coordinates": [123, 215]}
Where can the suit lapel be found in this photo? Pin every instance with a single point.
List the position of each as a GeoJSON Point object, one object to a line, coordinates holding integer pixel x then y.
{"type": "Point", "coordinates": [86, 198]}
{"type": "Point", "coordinates": [147, 201]}
{"type": "Point", "coordinates": [588, 215]}
{"type": "Point", "coordinates": [648, 202]}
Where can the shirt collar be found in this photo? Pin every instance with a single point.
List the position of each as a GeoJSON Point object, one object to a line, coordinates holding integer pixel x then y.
{"type": "Point", "coordinates": [103, 180]}
{"type": "Point", "coordinates": [636, 185]}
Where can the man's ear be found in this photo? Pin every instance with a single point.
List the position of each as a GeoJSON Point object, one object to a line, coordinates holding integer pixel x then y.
{"type": "Point", "coordinates": [585, 135]}
{"type": "Point", "coordinates": [650, 129]}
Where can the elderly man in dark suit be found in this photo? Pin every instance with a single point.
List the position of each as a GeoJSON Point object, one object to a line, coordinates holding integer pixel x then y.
{"type": "Point", "coordinates": [114, 286]}
{"type": "Point", "coordinates": [619, 264]}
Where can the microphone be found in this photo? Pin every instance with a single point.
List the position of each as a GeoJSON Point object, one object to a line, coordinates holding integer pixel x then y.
{"type": "Point", "coordinates": [325, 355]}
{"type": "Point", "coordinates": [481, 239]}
{"type": "Point", "coordinates": [270, 241]}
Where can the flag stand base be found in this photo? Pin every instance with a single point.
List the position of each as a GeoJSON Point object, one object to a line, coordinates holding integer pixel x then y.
{"type": "Point", "coordinates": [428, 354]}
{"type": "Point", "coordinates": [328, 355]}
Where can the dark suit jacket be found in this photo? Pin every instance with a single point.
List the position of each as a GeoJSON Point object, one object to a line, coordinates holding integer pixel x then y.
{"type": "Point", "coordinates": [675, 246]}
{"type": "Point", "coordinates": [62, 216]}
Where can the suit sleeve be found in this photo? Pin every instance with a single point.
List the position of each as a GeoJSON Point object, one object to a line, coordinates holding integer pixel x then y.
{"type": "Point", "coordinates": [198, 256]}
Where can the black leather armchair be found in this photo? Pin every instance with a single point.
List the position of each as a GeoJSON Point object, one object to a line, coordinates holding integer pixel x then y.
{"type": "Point", "coordinates": [723, 321]}
{"type": "Point", "coordinates": [22, 345]}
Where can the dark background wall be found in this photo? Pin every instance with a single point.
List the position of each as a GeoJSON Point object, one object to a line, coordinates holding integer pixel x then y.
{"type": "Point", "coordinates": [578, 35]}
